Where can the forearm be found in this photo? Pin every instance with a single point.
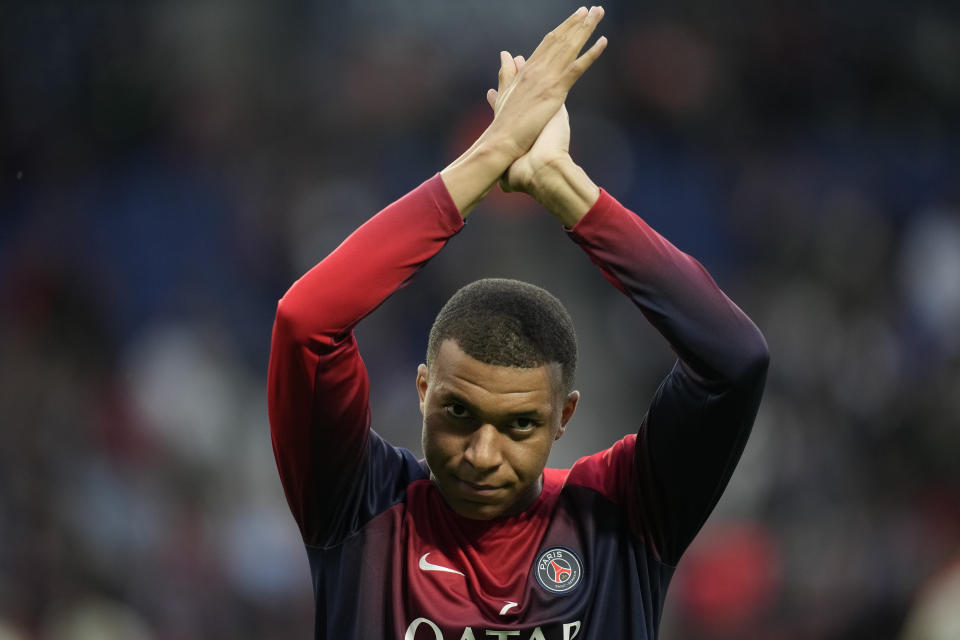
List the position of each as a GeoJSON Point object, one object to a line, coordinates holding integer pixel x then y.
{"type": "Point", "coordinates": [372, 263]}
{"type": "Point", "coordinates": [712, 336]}
{"type": "Point", "coordinates": [470, 177]}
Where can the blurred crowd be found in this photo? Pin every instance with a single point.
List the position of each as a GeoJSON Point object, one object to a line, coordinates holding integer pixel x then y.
{"type": "Point", "coordinates": [167, 169]}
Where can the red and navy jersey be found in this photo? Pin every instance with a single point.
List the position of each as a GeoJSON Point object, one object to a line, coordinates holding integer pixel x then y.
{"type": "Point", "coordinates": [592, 556]}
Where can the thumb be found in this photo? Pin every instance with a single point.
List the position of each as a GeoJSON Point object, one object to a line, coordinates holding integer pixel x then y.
{"type": "Point", "coordinates": [492, 98]}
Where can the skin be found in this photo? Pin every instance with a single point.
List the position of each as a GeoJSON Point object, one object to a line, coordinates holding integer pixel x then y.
{"type": "Point", "coordinates": [488, 430]}
{"type": "Point", "coordinates": [546, 171]}
{"type": "Point", "coordinates": [525, 147]}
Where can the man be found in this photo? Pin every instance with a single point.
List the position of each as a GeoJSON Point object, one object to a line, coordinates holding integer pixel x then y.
{"type": "Point", "coordinates": [480, 540]}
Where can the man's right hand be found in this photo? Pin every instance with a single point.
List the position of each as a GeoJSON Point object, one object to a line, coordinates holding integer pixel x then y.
{"type": "Point", "coordinates": [531, 95]}
{"type": "Point", "coordinates": [523, 107]}
{"type": "Point", "coordinates": [546, 171]}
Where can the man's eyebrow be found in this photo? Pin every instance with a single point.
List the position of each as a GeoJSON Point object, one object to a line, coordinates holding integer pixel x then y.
{"type": "Point", "coordinates": [529, 413]}
{"type": "Point", "coordinates": [452, 396]}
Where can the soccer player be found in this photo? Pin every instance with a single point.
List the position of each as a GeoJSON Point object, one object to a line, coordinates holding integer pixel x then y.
{"type": "Point", "coordinates": [479, 539]}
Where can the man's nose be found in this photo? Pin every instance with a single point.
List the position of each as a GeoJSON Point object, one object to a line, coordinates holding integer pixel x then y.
{"type": "Point", "coordinates": [483, 450]}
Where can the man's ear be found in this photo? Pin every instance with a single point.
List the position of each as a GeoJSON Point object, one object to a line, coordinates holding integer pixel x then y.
{"type": "Point", "coordinates": [422, 382]}
{"type": "Point", "coordinates": [569, 407]}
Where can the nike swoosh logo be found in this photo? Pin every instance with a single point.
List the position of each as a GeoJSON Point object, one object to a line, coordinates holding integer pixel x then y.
{"type": "Point", "coordinates": [507, 607]}
{"type": "Point", "coordinates": [429, 566]}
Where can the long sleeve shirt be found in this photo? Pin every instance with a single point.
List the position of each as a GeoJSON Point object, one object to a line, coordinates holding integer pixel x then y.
{"type": "Point", "coordinates": [591, 558]}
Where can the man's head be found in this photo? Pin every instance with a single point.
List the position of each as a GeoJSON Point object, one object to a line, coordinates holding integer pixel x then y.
{"type": "Point", "coordinates": [508, 323]}
{"type": "Point", "coordinates": [495, 393]}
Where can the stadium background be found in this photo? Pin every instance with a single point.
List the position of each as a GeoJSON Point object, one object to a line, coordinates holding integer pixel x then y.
{"type": "Point", "coordinates": [169, 168]}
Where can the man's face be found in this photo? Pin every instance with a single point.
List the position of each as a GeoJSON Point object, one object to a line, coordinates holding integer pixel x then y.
{"type": "Point", "coordinates": [488, 429]}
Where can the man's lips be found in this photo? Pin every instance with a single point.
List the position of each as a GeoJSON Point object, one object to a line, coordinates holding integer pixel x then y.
{"type": "Point", "coordinates": [482, 489]}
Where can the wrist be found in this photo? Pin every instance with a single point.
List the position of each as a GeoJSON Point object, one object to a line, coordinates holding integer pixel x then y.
{"type": "Point", "coordinates": [545, 179]}
{"type": "Point", "coordinates": [470, 177]}
{"type": "Point", "coordinates": [564, 189]}
{"type": "Point", "coordinates": [498, 147]}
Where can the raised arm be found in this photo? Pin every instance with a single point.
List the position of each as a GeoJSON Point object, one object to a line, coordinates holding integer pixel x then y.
{"type": "Point", "coordinates": [317, 384]}
{"type": "Point", "coordinates": [699, 419]}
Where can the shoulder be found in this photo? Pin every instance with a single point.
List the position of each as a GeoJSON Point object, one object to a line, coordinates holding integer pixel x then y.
{"type": "Point", "coordinates": [376, 483]}
{"type": "Point", "coordinates": [608, 472]}
{"type": "Point", "coordinates": [607, 482]}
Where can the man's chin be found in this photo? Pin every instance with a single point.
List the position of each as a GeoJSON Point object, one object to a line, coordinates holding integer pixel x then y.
{"type": "Point", "coordinates": [476, 511]}
{"type": "Point", "coordinates": [478, 507]}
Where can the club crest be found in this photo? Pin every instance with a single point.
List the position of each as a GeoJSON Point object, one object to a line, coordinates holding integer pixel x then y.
{"type": "Point", "coordinates": [559, 570]}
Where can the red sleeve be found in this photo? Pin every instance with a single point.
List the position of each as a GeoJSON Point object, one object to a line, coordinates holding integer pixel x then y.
{"type": "Point", "coordinates": [695, 428]}
{"type": "Point", "coordinates": [318, 389]}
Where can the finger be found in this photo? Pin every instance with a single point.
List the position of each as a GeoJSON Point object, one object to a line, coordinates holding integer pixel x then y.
{"type": "Point", "coordinates": [557, 35]}
{"type": "Point", "coordinates": [492, 98]}
{"type": "Point", "coordinates": [581, 32]}
{"type": "Point", "coordinates": [508, 70]}
{"type": "Point", "coordinates": [581, 64]}
{"type": "Point", "coordinates": [567, 40]}
{"type": "Point", "coordinates": [572, 20]}
{"type": "Point", "coordinates": [519, 61]}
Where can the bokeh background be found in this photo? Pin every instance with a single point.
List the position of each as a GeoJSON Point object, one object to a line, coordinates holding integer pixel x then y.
{"type": "Point", "coordinates": [167, 169]}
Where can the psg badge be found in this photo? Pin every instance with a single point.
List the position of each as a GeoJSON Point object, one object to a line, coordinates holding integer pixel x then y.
{"type": "Point", "coordinates": [559, 570]}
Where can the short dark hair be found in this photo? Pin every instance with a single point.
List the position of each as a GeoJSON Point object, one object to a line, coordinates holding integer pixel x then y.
{"type": "Point", "coordinates": [508, 323]}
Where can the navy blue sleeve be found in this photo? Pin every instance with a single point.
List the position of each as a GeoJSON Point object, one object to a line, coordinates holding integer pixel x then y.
{"type": "Point", "coordinates": [372, 486]}
{"type": "Point", "coordinates": [698, 422]}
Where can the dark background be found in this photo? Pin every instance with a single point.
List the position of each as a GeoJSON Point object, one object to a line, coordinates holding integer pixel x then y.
{"type": "Point", "coordinates": [167, 170]}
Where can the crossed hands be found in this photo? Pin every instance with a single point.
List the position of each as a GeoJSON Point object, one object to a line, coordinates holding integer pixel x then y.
{"type": "Point", "coordinates": [528, 103]}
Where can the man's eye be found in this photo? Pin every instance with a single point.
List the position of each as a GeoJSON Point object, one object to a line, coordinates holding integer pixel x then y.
{"type": "Point", "coordinates": [456, 410]}
{"type": "Point", "coordinates": [523, 424]}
